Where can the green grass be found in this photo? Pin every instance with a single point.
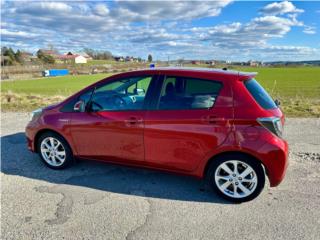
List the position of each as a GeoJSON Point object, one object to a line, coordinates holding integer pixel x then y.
{"type": "Point", "coordinates": [289, 81]}
{"type": "Point", "coordinates": [51, 86]}
{"type": "Point", "coordinates": [101, 62]}
{"type": "Point", "coordinates": [298, 88]}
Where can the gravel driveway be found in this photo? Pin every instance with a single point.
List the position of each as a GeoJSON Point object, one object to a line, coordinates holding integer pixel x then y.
{"type": "Point", "coordinates": [102, 201]}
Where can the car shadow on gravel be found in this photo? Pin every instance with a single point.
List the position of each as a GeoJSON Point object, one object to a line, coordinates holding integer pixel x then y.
{"type": "Point", "coordinates": [17, 160]}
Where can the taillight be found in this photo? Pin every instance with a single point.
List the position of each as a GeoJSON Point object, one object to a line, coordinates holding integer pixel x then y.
{"type": "Point", "coordinates": [273, 124]}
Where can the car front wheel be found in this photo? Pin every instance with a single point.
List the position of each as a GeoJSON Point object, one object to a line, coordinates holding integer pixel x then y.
{"type": "Point", "coordinates": [237, 178]}
{"type": "Point", "coordinates": [54, 151]}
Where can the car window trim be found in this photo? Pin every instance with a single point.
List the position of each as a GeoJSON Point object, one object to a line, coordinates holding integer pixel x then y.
{"type": "Point", "coordinates": [146, 100]}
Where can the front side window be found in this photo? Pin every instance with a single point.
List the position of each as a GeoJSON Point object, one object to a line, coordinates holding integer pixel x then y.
{"type": "Point", "coordinates": [188, 93]}
{"type": "Point", "coordinates": [119, 95]}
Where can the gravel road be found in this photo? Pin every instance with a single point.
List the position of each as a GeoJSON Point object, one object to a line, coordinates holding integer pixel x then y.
{"type": "Point", "coordinates": [102, 201]}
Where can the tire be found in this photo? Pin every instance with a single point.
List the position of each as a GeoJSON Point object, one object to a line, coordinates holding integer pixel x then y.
{"type": "Point", "coordinates": [54, 151]}
{"type": "Point", "coordinates": [242, 185]}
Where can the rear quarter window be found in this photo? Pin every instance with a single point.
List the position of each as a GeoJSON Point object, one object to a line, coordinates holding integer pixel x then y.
{"type": "Point", "coordinates": [260, 94]}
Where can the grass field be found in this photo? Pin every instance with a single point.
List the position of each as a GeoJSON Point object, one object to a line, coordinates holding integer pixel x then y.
{"type": "Point", "coordinates": [298, 88]}
{"type": "Point", "coordinates": [51, 86]}
{"type": "Point", "coordinates": [289, 82]}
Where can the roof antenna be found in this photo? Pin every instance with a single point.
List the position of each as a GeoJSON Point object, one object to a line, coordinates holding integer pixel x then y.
{"type": "Point", "coordinates": [224, 69]}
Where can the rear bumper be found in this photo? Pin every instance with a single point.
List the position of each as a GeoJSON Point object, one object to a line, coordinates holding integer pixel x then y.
{"type": "Point", "coordinates": [275, 159]}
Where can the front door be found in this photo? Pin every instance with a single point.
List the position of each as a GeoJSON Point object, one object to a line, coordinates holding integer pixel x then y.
{"type": "Point", "coordinates": [111, 127]}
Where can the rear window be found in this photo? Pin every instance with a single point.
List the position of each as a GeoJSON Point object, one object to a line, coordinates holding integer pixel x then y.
{"type": "Point", "coordinates": [259, 94]}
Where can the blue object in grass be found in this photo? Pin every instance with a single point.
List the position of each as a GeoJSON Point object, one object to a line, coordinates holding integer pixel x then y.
{"type": "Point", "coordinates": [55, 72]}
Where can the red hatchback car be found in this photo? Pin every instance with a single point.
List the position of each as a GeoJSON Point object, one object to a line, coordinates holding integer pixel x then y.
{"type": "Point", "coordinates": [215, 124]}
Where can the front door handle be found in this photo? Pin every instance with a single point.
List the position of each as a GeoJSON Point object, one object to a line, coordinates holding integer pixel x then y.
{"type": "Point", "coordinates": [133, 121]}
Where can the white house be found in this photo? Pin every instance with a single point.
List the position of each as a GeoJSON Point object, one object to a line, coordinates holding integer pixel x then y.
{"type": "Point", "coordinates": [80, 59]}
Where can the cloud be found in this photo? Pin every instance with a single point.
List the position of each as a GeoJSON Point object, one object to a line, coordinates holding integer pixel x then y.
{"type": "Point", "coordinates": [169, 10]}
{"type": "Point", "coordinates": [277, 8]}
{"type": "Point", "coordinates": [309, 30]}
{"type": "Point", "coordinates": [7, 34]}
{"type": "Point", "coordinates": [101, 10]}
{"type": "Point", "coordinates": [163, 28]}
{"type": "Point", "coordinates": [256, 32]}
{"type": "Point", "coordinates": [44, 8]}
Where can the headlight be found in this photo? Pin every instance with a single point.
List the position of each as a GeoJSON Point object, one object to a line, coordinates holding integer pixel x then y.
{"type": "Point", "coordinates": [35, 114]}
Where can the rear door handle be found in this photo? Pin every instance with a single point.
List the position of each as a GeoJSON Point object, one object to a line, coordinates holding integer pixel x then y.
{"type": "Point", "coordinates": [213, 119]}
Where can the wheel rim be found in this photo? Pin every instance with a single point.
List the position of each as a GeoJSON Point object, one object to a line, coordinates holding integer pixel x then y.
{"type": "Point", "coordinates": [236, 179]}
{"type": "Point", "coordinates": [53, 151]}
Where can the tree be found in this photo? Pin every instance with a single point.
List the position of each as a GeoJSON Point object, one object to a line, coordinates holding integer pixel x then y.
{"type": "Point", "coordinates": [90, 52]}
{"type": "Point", "coordinates": [45, 58]}
{"type": "Point", "coordinates": [149, 58]}
{"type": "Point", "coordinates": [48, 59]}
{"type": "Point", "coordinates": [100, 55]}
{"type": "Point", "coordinates": [9, 56]}
{"type": "Point", "coordinates": [40, 54]}
{"type": "Point", "coordinates": [18, 56]}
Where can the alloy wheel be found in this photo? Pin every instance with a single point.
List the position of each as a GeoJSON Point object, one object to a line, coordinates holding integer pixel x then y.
{"type": "Point", "coordinates": [236, 179]}
{"type": "Point", "coordinates": [53, 151]}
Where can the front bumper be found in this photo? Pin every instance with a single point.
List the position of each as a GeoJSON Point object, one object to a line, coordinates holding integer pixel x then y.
{"type": "Point", "coordinates": [30, 133]}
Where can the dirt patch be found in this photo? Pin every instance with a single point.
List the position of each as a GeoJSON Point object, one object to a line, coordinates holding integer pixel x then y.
{"type": "Point", "coordinates": [307, 156]}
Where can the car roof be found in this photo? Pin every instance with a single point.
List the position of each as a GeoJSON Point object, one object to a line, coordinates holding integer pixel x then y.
{"type": "Point", "coordinates": [238, 74]}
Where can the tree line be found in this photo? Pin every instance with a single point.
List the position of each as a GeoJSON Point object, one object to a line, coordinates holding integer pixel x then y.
{"type": "Point", "coordinates": [11, 57]}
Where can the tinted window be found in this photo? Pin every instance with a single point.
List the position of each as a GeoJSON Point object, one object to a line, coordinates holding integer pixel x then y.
{"type": "Point", "coordinates": [123, 94]}
{"type": "Point", "coordinates": [259, 94]}
{"type": "Point", "coordinates": [188, 93]}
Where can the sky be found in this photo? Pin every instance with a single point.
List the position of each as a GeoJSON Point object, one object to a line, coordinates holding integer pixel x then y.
{"type": "Point", "coordinates": [225, 30]}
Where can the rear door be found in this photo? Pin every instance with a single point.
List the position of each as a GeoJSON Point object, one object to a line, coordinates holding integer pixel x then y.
{"type": "Point", "coordinates": [190, 117]}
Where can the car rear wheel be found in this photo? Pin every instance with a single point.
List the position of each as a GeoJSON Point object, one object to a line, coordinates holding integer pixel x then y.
{"type": "Point", "coordinates": [54, 151]}
{"type": "Point", "coordinates": [237, 178]}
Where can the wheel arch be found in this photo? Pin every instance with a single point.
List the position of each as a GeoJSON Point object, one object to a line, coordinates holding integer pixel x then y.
{"type": "Point", "coordinates": [45, 130]}
{"type": "Point", "coordinates": [231, 153]}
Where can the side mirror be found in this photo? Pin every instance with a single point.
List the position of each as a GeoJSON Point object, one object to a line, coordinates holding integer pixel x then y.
{"type": "Point", "coordinates": [79, 106]}
{"type": "Point", "coordinates": [277, 102]}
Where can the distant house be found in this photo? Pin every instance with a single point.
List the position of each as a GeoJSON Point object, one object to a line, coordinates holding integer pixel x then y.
{"type": "Point", "coordinates": [80, 59]}
{"type": "Point", "coordinates": [129, 59]}
{"type": "Point", "coordinates": [252, 63]}
{"type": "Point", "coordinates": [119, 59]}
{"type": "Point", "coordinates": [72, 58]}
{"type": "Point", "coordinates": [85, 55]}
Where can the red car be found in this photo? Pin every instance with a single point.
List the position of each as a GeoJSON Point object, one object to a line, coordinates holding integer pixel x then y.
{"type": "Point", "coordinates": [215, 124]}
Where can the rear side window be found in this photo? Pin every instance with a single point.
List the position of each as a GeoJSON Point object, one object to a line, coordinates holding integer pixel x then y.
{"type": "Point", "coordinates": [260, 94]}
{"type": "Point", "coordinates": [188, 93]}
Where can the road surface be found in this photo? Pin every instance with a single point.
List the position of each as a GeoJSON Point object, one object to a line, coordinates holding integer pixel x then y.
{"type": "Point", "coordinates": [101, 201]}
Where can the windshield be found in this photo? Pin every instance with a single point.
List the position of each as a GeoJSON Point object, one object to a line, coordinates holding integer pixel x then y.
{"type": "Point", "coordinates": [260, 94]}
